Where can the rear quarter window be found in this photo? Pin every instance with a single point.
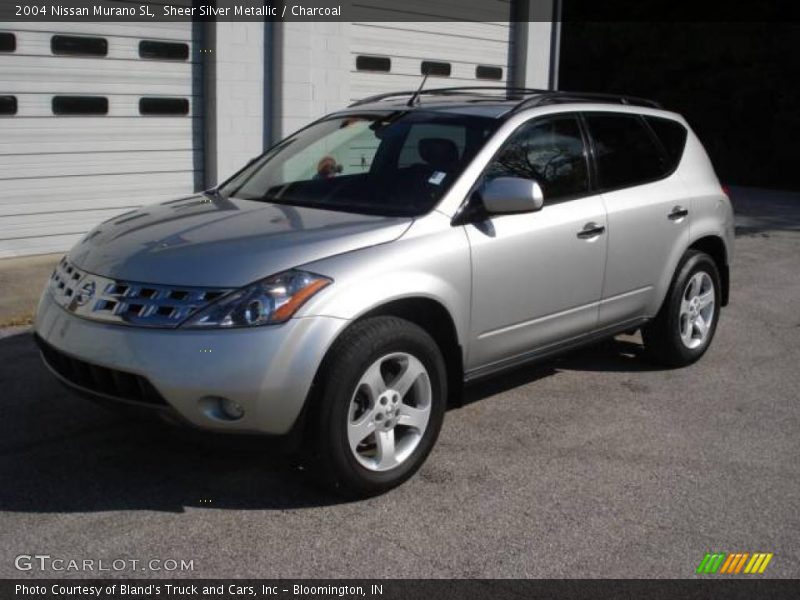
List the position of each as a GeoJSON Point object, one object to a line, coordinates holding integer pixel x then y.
{"type": "Point", "coordinates": [672, 136]}
{"type": "Point", "coordinates": [626, 152]}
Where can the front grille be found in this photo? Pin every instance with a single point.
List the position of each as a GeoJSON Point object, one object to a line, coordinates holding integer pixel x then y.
{"type": "Point", "coordinates": [146, 305]}
{"type": "Point", "coordinates": [102, 380]}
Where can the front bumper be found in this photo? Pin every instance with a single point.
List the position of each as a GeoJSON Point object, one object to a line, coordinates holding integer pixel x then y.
{"type": "Point", "coordinates": [267, 370]}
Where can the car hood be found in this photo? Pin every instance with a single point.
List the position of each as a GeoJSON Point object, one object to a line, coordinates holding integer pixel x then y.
{"type": "Point", "coordinates": [223, 242]}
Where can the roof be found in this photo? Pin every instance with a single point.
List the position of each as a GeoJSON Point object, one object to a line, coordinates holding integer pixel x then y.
{"type": "Point", "coordinates": [489, 101]}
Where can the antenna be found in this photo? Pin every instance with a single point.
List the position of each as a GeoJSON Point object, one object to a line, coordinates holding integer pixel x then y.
{"type": "Point", "coordinates": [414, 97]}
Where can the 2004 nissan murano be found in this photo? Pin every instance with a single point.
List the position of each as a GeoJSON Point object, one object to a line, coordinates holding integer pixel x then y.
{"type": "Point", "coordinates": [348, 281]}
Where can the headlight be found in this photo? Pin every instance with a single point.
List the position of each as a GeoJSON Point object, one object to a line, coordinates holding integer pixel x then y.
{"type": "Point", "coordinates": [266, 302]}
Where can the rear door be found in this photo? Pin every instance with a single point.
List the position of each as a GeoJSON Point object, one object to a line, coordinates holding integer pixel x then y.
{"type": "Point", "coordinates": [647, 208]}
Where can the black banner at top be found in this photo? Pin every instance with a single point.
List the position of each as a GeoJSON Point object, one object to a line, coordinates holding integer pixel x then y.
{"type": "Point", "coordinates": [12, 11]}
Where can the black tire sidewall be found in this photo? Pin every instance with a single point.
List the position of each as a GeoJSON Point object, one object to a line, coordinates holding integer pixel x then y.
{"type": "Point", "coordinates": [358, 350]}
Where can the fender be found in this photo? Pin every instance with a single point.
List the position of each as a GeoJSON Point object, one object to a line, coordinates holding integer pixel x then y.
{"type": "Point", "coordinates": [431, 260]}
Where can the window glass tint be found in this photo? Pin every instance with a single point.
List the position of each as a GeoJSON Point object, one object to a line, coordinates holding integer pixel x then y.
{"type": "Point", "coordinates": [625, 151]}
{"type": "Point", "coordinates": [8, 43]}
{"type": "Point", "coordinates": [163, 50]}
{"type": "Point", "coordinates": [484, 72]}
{"type": "Point", "coordinates": [551, 152]}
{"type": "Point", "coordinates": [673, 137]}
{"type": "Point", "coordinates": [163, 106]}
{"type": "Point", "coordinates": [396, 163]}
{"type": "Point", "coordinates": [8, 105]}
{"type": "Point", "coordinates": [78, 46]}
{"type": "Point", "coordinates": [373, 63]}
{"type": "Point", "coordinates": [80, 105]}
{"type": "Point", "coordinates": [439, 69]}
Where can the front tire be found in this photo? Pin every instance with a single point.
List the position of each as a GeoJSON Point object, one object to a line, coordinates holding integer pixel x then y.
{"type": "Point", "coordinates": [381, 405]}
{"type": "Point", "coordinates": [684, 327]}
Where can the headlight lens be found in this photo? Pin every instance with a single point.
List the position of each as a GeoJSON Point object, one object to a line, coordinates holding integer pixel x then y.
{"type": "Point", "coordinates": [266, 302]}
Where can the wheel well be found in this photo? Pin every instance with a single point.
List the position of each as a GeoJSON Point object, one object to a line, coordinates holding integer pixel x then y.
{"type": "Point", "coordinates": [715, 248]}
{"type": "Point", "coordinates": [434, 318]}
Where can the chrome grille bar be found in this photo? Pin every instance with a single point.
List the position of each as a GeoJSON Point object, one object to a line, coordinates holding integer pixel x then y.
{"type": "Point", "coordinates": [133, 303]}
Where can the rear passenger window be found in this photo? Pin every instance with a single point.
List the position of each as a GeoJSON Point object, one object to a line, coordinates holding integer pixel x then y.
{"type": "Point", "coordinates": [625, 151]}
{"type": "Point", "coordinates": [549, 151]}
{"type": "Point", "coordinates": [672, 136]}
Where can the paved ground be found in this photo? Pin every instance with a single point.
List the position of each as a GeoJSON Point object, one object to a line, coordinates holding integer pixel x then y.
{"type": "Point", "coordinates": [21, 282]}
{"type": "Point", "coordinates": [593, 465]}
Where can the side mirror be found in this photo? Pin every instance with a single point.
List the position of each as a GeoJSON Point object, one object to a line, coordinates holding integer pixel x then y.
{"type": "Point", "coordinates": [511, 195]}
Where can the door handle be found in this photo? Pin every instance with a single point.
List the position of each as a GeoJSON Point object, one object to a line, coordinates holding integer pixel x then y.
{"type": "Point", "coordinates": [591, 230]}
{"type": "Point", "coordinates": [678, 212]}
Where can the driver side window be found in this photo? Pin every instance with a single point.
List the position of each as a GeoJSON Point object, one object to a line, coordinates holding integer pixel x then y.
{"type": "Point", "coordinates": [550, 151]}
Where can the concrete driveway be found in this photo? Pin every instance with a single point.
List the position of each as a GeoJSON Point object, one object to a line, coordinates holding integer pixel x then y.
{"type": "Point", "coordinates": [594, 465]}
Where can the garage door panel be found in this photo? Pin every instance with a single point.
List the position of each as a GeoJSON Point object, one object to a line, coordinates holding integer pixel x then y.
{"type": "Point", "coordinates": [62, 174]}
{"type": "Point", "coordinates": [125, 201]}
{"type": "Point", "coordinates": [412, 67]}
{"type": "Point", "coordinates": [408, 83]}
{"type": "Point", "coordinates": [167, 31]}
{"type": "Point", "coordinates": [430, 46]}
{"type": "Point", "coordinates": [41, 105]}
{"type": "Point", "coordinates": [476, 31]}
{"type": "Point", "coordinates": [75, 222]}
{"type": "Point", "coordinates": [154, 187]}
{"type": "Point", "coordinates": [113, 191]}
{"type": "Point", "coordinates": [19, 74]}
{"type": "Point", "coordinates": [32, 135]}
{"type": "Point", "coordinates": [38, 43]}
{"type": "Point", "coordinates": [482, 38]}
{"type": "Point", "coordinates": [38, 245]}
{"type": "Point", "coordinates": [76, 165]}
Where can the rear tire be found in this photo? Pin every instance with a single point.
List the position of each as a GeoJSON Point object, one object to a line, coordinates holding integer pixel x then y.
{"type": "Point", "coordinates": [684, 327]}
{"type": "Point", "coordinates": [381, 403]}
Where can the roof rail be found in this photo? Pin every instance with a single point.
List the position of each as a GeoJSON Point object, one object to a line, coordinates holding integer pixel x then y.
{"type": "Point", "coordinates": [508, 92]}
{"type": "Point", "coordinates": [555, 97]}
{"type": "Point", "coordinates": [529, 97]}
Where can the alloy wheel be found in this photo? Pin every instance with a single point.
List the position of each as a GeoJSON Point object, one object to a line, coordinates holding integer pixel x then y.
{"type": "Point", "coordinates": [389, 411]}
{"type": "Point", "coordinates": [697, 310]}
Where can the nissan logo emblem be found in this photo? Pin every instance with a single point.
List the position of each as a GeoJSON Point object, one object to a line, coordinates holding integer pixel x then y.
{"type": "Point", "coordinates": [85, 293]}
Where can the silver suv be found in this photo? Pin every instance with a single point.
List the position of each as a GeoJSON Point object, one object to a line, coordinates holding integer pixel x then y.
{"type": "Point", "coordinates": [349, 281]}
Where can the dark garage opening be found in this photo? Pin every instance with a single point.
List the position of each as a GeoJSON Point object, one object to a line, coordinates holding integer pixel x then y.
{"type": "Point", "coordinates": [736, 84]}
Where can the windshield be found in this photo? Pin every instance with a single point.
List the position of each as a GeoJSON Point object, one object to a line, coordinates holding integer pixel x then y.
{"type": "Point", "coordinates": [394, 164]}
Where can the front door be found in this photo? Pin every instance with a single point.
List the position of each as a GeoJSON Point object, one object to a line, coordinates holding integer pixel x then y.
{"type": "Point", "coordinates": [538, 277]}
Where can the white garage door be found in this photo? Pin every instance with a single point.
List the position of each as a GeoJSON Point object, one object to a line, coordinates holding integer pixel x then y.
{"type": "Point", "coordinates": [391, 56]}
{"type": "Point", "coordinates": [95, 119]}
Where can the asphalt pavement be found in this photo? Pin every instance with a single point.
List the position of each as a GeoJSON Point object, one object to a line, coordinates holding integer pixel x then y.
{"type": "Point", "coordinates": [597, 464]}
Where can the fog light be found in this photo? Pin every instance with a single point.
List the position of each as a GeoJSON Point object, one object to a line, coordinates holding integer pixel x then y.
{"type": "Point", "coordinates": [231, 409]}
{"type": "Point", "coordinates": [221, 409]}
